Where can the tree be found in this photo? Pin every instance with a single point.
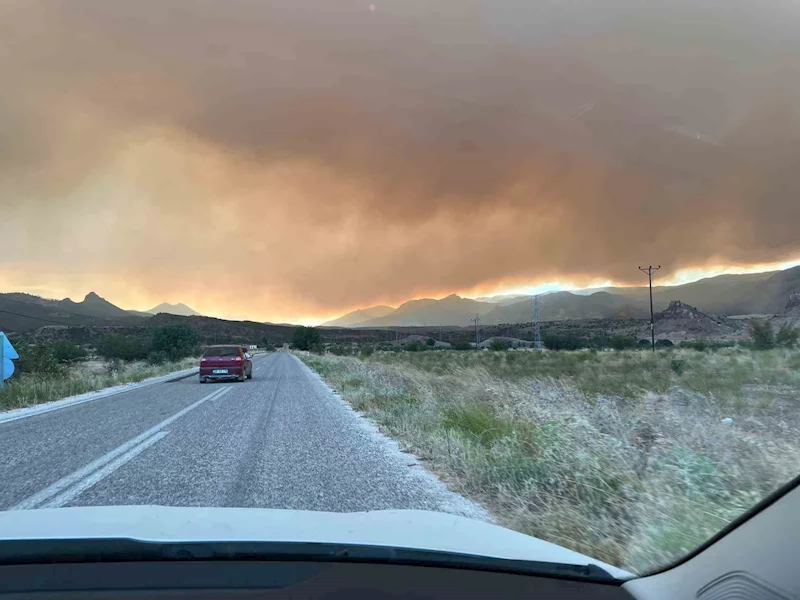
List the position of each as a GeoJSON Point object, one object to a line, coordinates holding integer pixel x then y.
{"type": "Point", "coordinates": [761, 335]}
{"type": "Point", "coordinates": [431, 342]}
{"type": "Point", "coordinates": [415, 346]}
{"type": "Point", "coordinates": [787, 336]}
{"type": "Point", "coordinates": [176, 341]}
{"type": "Point", "coordinates": [306, 338]}
{"type": "Point", "coordinates": [462, 346]}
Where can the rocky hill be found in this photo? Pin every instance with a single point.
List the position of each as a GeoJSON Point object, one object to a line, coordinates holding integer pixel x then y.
{"type": "Point", "coordinates": [681, 321]}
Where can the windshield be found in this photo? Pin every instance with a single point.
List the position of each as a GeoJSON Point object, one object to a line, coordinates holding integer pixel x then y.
{"type": "Point", "coordinates": [222, 352]}
{"type": "Point", "coordinates": [533, 264]}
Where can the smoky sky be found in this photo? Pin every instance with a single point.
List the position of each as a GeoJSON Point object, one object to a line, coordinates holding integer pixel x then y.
{"type": "Point", "coordinates": [279, 158]}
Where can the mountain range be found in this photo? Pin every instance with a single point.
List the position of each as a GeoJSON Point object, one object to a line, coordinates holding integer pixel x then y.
{"type": "Point", "coordinates": [725, 295]}
{"type": "Point", "coordinates": [759, 293]}
{"type": "Point", "coordinates": [23, 312]}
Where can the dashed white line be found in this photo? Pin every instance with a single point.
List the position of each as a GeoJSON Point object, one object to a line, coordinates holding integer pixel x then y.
{"type": "Point", "coordinates": [77, 478]}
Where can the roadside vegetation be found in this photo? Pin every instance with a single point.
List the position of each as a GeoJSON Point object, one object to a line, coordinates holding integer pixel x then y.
{"type": "Point", "coordinates": [50, 371]}
{"type": "Point", "coordinates": [630, 456]}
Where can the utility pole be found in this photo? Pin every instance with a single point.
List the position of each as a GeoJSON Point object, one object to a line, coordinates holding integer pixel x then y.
{"type": "Point", "coordinates": [477, 321]}
{"type": "Point", "coordinates": [536, 329]}
{"type": "Point", "coordinates": [650, 270]}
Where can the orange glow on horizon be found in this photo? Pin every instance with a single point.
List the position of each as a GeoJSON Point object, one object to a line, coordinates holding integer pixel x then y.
{"type": "Point", "coordinates": [121, 295]}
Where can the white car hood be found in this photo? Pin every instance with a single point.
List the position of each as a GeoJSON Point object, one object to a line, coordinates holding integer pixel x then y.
{"type": "Point", "coordinates": [413, 529]}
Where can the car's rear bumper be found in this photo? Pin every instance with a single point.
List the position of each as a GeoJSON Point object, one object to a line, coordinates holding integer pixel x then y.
{"type": "Point", "coordinates": [233, 373]}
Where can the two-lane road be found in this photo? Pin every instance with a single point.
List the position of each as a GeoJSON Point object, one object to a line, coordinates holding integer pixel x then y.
{"type": "Point", "coordinates": [280, 440]}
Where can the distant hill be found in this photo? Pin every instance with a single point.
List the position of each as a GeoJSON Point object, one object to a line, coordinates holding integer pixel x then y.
{"type": "Point", "coordinates": [179, 309]}
{"type": "Point", "coordinates": [359, 316]}
{"type": "Point", "coordinates": [452, 310]}
{"type": "Point", "coordinates": [21, 312]}
{"type": "Point", "coordinates": [94, 305]}
{"type": "Point", "coordinates": [560, 306]}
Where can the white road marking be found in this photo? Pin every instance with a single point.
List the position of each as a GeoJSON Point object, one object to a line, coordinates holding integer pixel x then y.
{"type": "Point", "coordinates": [84, 484]}
{"type": "Point", "coordinates": [77, 476]}
{"type": "Point", "coordinates": [40, 409]}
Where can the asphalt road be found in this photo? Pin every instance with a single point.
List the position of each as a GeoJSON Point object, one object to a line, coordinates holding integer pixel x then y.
{"type": "Point", "coordinates": [280, 440]}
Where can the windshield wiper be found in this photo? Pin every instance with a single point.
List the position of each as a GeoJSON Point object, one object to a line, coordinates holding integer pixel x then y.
{"type": "Point", "coordinates": [130, 550]}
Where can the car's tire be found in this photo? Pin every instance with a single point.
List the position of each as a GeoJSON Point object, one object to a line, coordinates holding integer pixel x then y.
{"type": "Point", "coordinates": [243, 376]}
{"type": "Point", "coordinates": [250, 373]}
{"type": "Point", "coordinates": [203, 380]}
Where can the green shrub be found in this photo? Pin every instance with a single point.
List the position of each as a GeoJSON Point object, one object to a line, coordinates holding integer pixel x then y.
{"type": "Point", "coordinates": [430, 342]}
{"type": "Point", "coordinates": [367, 350]}
{"type": "Point", "coordinates": [554, 341]}
{"type": "Point", "coordinates": [664, 344]}
{"type": "Point", "coordinates": [787, 336]}
{"type": "Point", "coordinates": [415, 346]}
{"type": "Point", "coordinates": [477, 421]}
{"type": "Point", "coordinates": [462, 346]}
{"type": "Point", "coordinates": [114, 367]}
{"type": "Point", "coordinates": [306, 338]}
{"type": "Point", "coordinates": [678, 365]}
{"type": "Point", "coordinates": [65, 351]}
{"type": "Point", "coordinates": [39, 359]}
{"type": "Point", "coordinates": [701, 344]}
{"type": "Point", "coordinates": [157, 357]}
{"type": "Point", "coordinates": [341, 350]}
{"type": "Point", "coordinates": [761, 335]}
{"type": "Point", "coordinates": [621, 342]}
{"type": "Point", "coordinates": [122, 347]}
{"type": "Point", "coordinates": [498, 345]}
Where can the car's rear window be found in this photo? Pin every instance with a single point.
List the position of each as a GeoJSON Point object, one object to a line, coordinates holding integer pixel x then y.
{"type": "Point", "coordinates": [222, 351]}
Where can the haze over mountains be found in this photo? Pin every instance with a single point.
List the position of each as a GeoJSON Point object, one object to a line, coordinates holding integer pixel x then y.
{"type": "Point", "coordinates": [760, 293]}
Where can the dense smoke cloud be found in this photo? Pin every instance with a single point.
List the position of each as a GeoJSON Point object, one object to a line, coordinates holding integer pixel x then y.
{"type": "Point", "coordinates": [282, 159]}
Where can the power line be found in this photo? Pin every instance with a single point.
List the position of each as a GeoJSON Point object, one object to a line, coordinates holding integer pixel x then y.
{"type": "Point", "coordinates": [8, 312]}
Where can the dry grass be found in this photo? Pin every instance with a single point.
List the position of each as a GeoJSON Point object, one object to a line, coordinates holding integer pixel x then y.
{"type": "Point", "coordinates": [620, 455]}
{"type": "Point", "coordinates": [32, 389]}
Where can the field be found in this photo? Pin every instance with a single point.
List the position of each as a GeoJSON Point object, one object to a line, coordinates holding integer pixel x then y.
{"type": "Point", "coordinates": [632, 457]}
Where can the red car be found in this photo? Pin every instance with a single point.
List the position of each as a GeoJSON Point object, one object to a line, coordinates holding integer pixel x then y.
{"type": "Point", "coordinates": [225, 362]}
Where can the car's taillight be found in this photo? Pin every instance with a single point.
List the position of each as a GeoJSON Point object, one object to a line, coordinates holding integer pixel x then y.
{"type": "Point", "coordinates": [237, 358]}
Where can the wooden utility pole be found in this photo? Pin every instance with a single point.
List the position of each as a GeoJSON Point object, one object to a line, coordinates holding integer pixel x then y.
{"type": "Point", "coordinates": [650, 270]}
